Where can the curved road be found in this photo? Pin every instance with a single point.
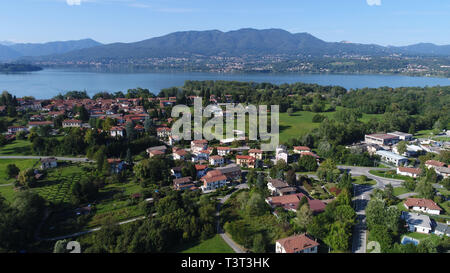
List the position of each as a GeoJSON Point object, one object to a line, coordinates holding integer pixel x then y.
{"type": "Point", "coordinates": [73, 159]}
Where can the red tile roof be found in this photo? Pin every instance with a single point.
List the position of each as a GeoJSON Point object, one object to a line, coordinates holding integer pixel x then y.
{"type": "Point", "coordinates": [435, 163]}
{"type": "Point", "coordinates": [297, 243]}
{"type": "Point", "coordinates": [410, 170]}
{"type": "Point", "coordinates": [420, 202]}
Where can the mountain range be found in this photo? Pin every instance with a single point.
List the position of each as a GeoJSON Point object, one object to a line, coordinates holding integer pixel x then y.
{"type": "Point", "coordinates": [189, 44]}
{"type": "Point", "coordinates": [13, 51]}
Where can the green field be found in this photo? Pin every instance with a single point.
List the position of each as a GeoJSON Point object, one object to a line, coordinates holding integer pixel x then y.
{"type": "Point", "coordinates": [22, 164]}
{"type": "Point", "coordinates": [7, 192]}
{"type": "Point", "coordinates": [400, 190]}
{"type": "Point", "coordinates": [214, 245]}
{"type": "Point", "coordinates": [17, 147]}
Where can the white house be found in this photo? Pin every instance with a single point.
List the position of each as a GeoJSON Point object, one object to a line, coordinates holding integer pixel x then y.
{"type": "Point", "coordinates": [423, 205]}
{"type": "Point", "coordinates": [223, 151]}
{"type": "Point", "coordinates": [297, 244]}
{"type": "Point", "coordinates": [117, 131]}
{"type": "Point", "coordinates": [49, 162]}
{"type": "Point", "coordinates": [411, 172]}
{"type": "Point", "coordinates": [216, 160]}
{"type": "Point", "coordinates": [442, 229]}
{"type": "Point", "coordinates": [443, 171]}
{"type": "Point", "coordinates": [417, 222]}
{"type": "Point", "coordinates": [213, 180]}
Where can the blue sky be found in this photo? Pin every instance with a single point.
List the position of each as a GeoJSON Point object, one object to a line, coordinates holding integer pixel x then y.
{"type": "Point", "coordinates": [385, 22]}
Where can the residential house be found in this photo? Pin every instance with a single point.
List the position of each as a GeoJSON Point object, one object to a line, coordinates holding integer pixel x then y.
{"type": "Point", "coordinates": [442, 229]}
{"type": "Point", "coordinates": [117, 131]}
{"type": "Point", "coordinates": [161, 150]}
{"type": "Point", "coordinates": [423, 205]}
{"type": "Point", "coordinates": [216, 160]}
{"type": "Point", "coordinates": [163, 132]}
{"type": "Point", "coordinates": [15, 129]}
{"type": "Point", "coordinates": [411, 172]}
{"type": "Point", "coordinates": [176, 171]}
{"type": "Point", "coordinates": [201, 170]}
{"type": "Point", "coordinates": [183, 183]}
{"type": "Point", "coordinates": [33, 124]}
{"type": "Point", "coordinates": [246, 161]}
{"type": "Point", "coordinates": [213, 180]}
{"type": "Point", "coordinates": [258, 154]}
{"type": "Point", "coordinates": [417, 222]}
{"type": "Point", "coordinates": [302, 243]}
{"type": "Point", "coordinates": [117, 165]}
{"type": "Point", "coordinates": [281, 154]}
{"type": "Point", "coordinates": [49, 162]}
{"type": "Point", "coordinates": [223, 151]}
{"type": "Point", "coordinates": [292, 201]}
{"type": "Point", "coordinates": [443, 171]}
{"type": "Point", "coordinates": [278, 187]}
{"type": "Point", "coordinates": [71, 123]}
{"type": "Point", "coordinates": [433, 164]}
{"type": "Point", "coordinates": [301, 149]}
{"type": "Point", "coordinates": [199, 145]}
{"type": "Point", "coordinates": [231, 171]}
{"type": "Point", "coordinates": [179, 154]}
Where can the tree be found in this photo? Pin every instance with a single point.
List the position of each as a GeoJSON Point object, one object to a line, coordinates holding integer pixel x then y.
{"type": "Point", "coordinates": [304, 218]}
{"type": "Point", "coordinates": [402, 147]}
{"type": "Point", "coordinates": [256, 205]}
{"type": "Point", "coordinates": [12, 170]}
{"type": "Point", "coordinates": [380, 234]}
{"type": "Point", "coordinates": [26, 178]}
{"type": "Point", "coordinates": [259, 245]}
{"type": "Point", "coordinates": [328, 171]}
{"type": "Point", "coordinates": [338, 237]}
{"type": "Point", "coordinates": [425, 189]}
{"type": "Point", "coordinates": [290, 111]}
{"type": "Point", "coordinates": [307, 163]}
{"type": "Point", "coordinates": [291, 177]}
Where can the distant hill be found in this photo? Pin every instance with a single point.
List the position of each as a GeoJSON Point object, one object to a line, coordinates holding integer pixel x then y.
{"type": "Point", "coordinates": [53, 47]}
{"type": "Point", "coordinates": [211, 43]}
{"type": "Point", "coordinates": [426, 49]}
{"type": "Point", "coordinates": [7, 53]}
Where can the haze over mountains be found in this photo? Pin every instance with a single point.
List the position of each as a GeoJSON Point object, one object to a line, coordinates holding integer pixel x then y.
{"type": "Point", "coordinates": [189, 44]}
{"type": "Point", "coordinates": [13, 51]}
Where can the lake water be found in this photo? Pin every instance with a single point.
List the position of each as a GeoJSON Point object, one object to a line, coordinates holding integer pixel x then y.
{"type": "Point", "coordinates": [49, 82]}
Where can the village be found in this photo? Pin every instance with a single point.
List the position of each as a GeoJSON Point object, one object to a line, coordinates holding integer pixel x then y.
{"type": "Point", "coordinates": [228, 163]}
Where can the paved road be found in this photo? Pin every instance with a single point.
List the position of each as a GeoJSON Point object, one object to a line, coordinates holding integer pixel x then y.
{"type": "Point", "coordinates": [236, 248]}
{"type": "Point", "coordinates": [361, 199]}
{"type": "Point", "coordinates": [406, 195]}
{"type": "Point", "coordinates": [73, 159]}
{"type": "Point", "coordinates": [88, 231]}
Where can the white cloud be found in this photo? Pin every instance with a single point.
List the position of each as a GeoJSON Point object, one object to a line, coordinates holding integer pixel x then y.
{"type": "Point", "coordinates": [73, 2]}
{"type": "Point", "coordinates": [373, 2]}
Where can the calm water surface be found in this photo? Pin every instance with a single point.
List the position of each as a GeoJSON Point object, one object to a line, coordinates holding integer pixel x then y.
{"type": "Point", "coordinates": [50, 82]}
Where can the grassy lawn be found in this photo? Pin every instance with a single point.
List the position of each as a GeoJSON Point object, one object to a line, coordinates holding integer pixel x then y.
{"type": "Point", "coordinates": [389, 174]}
{"type": "Point", "coordinates": [7, 192]}
{"type": "Point", "coordinates": [417, 235]}
{"type": "Point", "coordinates": [299, 122]}
{"type": "Point", "coordinates": [17, 147]}
{"type": "Point", "coordinates": [214, 245]}
{"type": "Point", "coordinates": [22, 164]}
{"type": "Point", "coordinates": [369, 182]}
{"type": "Point", "coordinates": [400, 190]}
